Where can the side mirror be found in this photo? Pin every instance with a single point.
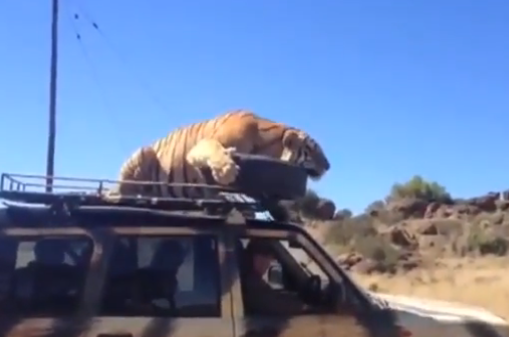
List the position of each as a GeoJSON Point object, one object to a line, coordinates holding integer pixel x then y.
{"type": "Point", "coordinates": [280, 278]}
{"type": "Point", "coordinates": [294, 244]}
{"type": "Point", "coordinates": [275, 275]}
{"type": "Point", "coordinates": [314, 284]}
{"type": "Point", "coordinates": [313, 290]}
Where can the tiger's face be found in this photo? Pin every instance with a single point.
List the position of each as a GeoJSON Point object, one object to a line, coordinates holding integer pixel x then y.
{"type": "Point", "coordinates": [302, 150]}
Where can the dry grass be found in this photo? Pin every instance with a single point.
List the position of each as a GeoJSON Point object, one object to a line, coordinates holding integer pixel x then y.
{"type": "Point", "coordinates": [482, 282]}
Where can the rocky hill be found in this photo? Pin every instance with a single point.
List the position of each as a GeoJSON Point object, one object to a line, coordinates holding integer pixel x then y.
{"type": "Point", "coordinates": [409, 229]}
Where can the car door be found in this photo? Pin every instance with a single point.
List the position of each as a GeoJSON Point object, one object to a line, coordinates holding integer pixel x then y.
{"type": "Point", "coordinates": [189, 264]}
{"type": "Point", "coordinates": [334, 323]}
{"type": "Point", "coordinates": [45, 287]}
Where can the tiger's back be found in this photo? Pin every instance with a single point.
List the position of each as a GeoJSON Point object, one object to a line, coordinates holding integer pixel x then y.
{"type": "Point", "coordinates": [165, 160]}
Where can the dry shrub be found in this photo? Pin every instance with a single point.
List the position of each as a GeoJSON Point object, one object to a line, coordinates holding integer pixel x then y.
{"type": "Point", "coordinates": [478, 281]}
{"type": "Point", "coordinates": [487, 219]}
{"type": "Point", "coordinates": [487, 241]}
{"type": "Point", "coordinates": [343, 232]}
{"type": "Point", "coordinates": [360, 234]}
{"type": "Point", "coordinates": [449, 227]}
{"type": "Point", "coordinates": [379, 250]}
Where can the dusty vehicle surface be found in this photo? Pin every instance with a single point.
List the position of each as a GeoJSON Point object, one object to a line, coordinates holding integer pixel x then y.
{"type": "Point", "coordinates": [77, 266]}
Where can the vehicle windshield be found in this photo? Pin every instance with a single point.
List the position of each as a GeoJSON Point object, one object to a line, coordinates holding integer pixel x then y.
{"type": "Point", "coordinates": [301, 256]}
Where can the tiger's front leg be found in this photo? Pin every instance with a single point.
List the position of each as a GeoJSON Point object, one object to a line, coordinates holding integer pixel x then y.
{"type": "Point", "coordinates": [210, 153]}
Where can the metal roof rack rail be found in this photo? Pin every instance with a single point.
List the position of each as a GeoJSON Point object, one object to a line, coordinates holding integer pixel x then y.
{"type": "Point", "coordinates": [72, 192]}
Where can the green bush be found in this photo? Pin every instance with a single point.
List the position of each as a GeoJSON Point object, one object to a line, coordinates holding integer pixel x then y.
{"type": "Point", "coordinates": [344, 213]}
{"type": "Point", "coordinates": [419, 188]}
{"type": "Point", "coordinates": [309, 207]}
{"type": "Point", "coordinates": [375, 206]}
{"type": "Point", "coordinates": [380, 251]}
{"type": "Point", "coordinates": [343, 232]}
{"type": "Point", "coordinates": [305, 206]}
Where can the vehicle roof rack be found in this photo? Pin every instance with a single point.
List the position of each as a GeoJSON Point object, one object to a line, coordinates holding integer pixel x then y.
{"type": "Point", "coordinates": [68, 193]}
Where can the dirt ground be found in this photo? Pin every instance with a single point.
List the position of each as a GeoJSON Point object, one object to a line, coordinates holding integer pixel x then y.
{"type": "Point", "coordinates": [477, 281]}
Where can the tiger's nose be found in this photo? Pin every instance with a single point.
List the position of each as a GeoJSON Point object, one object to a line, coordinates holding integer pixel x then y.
{"type": "Point", "coordinates": [326, 165]}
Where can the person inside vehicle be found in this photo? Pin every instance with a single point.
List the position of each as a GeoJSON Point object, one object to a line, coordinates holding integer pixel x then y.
{"type": "Point", "coordinates": [55, 275]}
{"type": "Point", "coordinates": [166, 262]}
{"type": "Point", "coordinates": [119, 279]}
{"type": "Point", "coordinates": [259, 297]}
{"type": "Point", "coordinates": [47, 282]}
{"type": "Point", "coordinates": [49, 253]}
{"type": "Point", "coordinates": [151, 290]}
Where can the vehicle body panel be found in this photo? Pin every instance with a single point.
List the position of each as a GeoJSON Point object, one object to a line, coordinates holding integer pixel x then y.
{"type": "Point", "coordinates": [373, 315]}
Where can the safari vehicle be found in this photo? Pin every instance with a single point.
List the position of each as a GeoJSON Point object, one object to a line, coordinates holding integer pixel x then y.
{"type": "Point", "coordinates": [74, 264]}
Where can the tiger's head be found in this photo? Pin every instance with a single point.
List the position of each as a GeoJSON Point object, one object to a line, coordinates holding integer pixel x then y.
{"type": "Point", "coordinates": [302, 150]}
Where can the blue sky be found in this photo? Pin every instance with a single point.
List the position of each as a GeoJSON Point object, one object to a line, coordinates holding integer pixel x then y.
{"type": "Point", "coordinates": [390, 88]}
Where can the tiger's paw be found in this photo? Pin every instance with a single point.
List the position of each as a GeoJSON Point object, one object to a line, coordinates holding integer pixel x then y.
{"type": "Point", "coordinates": [224, 170]}
{"type": "Point", "coordinates": [111, 196]}
{"type": "Point", "coordinates": [210, 153]}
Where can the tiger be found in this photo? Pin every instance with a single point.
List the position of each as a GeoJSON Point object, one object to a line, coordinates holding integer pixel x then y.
{"type": "Point", "coordinates": [180, 157]}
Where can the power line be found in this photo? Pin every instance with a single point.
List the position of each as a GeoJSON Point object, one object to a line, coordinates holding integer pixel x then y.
{"type": "Point", "coordinates": [89, 19]}
{"type": "Point", "coordinates": [93, 71]}
{"type": "Point", "coordinates": [94, 74]}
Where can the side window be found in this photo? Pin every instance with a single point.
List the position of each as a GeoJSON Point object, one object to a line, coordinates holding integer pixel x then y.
{"type": "Point", "coordinates": [274, 280]}
{"type": "Point", "coordinates": [165, 276]}
{"type": "Point", "coordinates": [273, 268]}
{"type": "Point", "coordinates": [43, 277]}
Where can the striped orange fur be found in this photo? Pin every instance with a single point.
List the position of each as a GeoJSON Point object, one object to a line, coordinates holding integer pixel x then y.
{"type": "Point", "coordinates": [178, 157]}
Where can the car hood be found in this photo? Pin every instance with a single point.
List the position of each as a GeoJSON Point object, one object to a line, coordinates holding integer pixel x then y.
{"type": "Point", "coordinates": [412, 309]}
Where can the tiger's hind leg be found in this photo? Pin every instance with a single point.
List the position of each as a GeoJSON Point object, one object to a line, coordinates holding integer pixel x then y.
{"type": "Point", "coordinates": [210, 153]}
{"type": "Point", "coordinates": [142, 166]}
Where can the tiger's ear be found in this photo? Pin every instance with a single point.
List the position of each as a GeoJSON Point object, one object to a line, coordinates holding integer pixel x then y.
{"type": "Point", "coordinates": [291, 140]}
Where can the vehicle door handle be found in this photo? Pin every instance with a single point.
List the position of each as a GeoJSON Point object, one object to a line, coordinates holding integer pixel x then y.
{"type": "Point", "coordinates": [121, 334]}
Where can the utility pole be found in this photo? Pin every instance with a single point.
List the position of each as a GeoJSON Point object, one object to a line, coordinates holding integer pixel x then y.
{"type": "Point", "coordinates": [50, 161]}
